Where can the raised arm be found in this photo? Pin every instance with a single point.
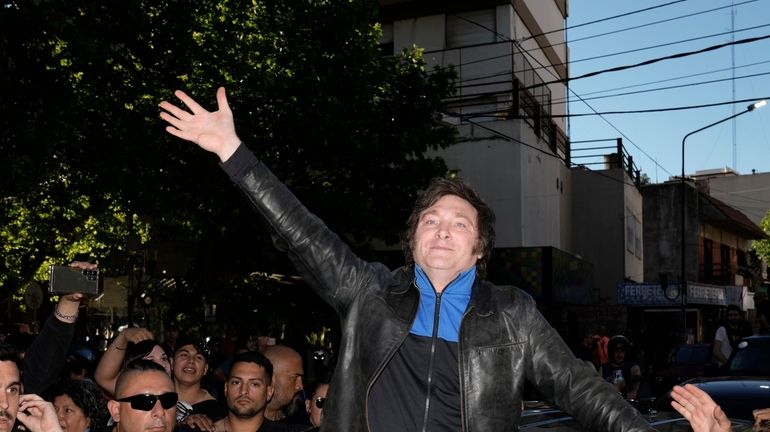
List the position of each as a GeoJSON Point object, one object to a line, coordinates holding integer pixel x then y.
{"type": "Point", "coordinates": [48, 352]}
{"type": "Point", "coordinates": [212, 131]}
{"type": "Point", "coordinates": [108, 369]}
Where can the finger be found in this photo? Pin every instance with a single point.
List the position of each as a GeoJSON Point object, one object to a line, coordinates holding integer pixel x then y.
{"type": "Point", "coordinates": [177, 133]}
{"type": "Point", "coordinates": [191, 104]}
{"type": "Point", "coordinates": [222, 104]}
{"type": "Point", "coordinates": [175, 123]}
{"type": "Point", "coordinates": [681, 410]}
{"type": "Point", "coordinates": [695, 391]}
{"type": "Point", "coordinates": [721, 417]}
{"type": "Point", "coordinates": [175, 111]}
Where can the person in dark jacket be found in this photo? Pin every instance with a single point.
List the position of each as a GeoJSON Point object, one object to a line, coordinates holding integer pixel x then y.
{"type": "Point", "coordinates": [430, 346]}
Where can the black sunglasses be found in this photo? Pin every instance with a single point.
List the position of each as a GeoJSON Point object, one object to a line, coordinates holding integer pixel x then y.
{"type": "Point", "coordinates": [319, 402]}
{"type": "Point", "coordinates": [146, 402]}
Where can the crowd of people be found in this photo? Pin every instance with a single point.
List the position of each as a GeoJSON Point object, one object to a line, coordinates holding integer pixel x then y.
{"type": "Point", "coordinates": [141, 384]}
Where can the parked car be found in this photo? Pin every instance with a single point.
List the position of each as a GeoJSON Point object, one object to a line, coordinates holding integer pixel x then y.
{"type": "Point", "coordinates": [745, 383]}
{"type": "Point", "coordinates": [544, 417]}
{"type": "Point", "coordinates": [683, 363]}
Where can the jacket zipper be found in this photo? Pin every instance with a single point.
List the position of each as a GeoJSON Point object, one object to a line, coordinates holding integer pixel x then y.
{"type": "Point", "coordinates": [431, 359]}
{"type": "Point", "coordinates": [390, 356]}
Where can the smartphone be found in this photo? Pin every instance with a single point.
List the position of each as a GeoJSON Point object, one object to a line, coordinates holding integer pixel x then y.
{"type": "Point", "coordinates": [66, 280]}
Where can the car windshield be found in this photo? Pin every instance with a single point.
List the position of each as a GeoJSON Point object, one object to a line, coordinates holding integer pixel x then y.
{"type": "Point", "coordinates": [750, 359]}
{"type": "Point", "coordinates": [692, 354]}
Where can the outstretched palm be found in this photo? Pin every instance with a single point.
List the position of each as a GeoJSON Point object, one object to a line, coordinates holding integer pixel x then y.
{"type": "Point", "coordinates": [212, 131]}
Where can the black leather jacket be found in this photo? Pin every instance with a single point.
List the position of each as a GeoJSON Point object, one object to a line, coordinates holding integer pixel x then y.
{"type": "Point", "coordinates": [503, 338]}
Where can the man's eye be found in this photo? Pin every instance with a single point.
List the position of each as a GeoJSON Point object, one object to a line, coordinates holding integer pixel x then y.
{"type": "Point", "coordinates": [12, 390]}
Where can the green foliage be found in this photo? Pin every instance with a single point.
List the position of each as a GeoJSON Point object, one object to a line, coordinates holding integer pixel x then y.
{"type": "Point", "coordinates": [83, 147]}
{"type": "Point", "coordinates": [762, 247]}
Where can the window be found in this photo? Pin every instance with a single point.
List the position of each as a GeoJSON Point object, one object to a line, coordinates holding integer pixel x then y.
{"type": "Point", "coordinates": [470, 28]}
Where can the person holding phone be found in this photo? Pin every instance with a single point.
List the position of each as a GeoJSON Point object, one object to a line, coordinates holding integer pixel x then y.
{"type": "Point", "coordinates": [46, 356]}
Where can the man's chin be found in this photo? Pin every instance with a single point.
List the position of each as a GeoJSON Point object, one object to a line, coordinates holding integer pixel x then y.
{"type": "Point", "coordinates": [6, 424]}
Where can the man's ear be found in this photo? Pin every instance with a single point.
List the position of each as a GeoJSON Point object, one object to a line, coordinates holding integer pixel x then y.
{"type": "Point", "coordinates": [270, 390]}
{"type": "Point", "coordinates": [114, 408]}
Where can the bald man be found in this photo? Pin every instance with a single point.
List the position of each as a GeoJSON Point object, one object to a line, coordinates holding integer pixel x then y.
{"type": "Point", "coordinates": [287, 385]}
{"type": "Point", "coordinates": [145, 399]}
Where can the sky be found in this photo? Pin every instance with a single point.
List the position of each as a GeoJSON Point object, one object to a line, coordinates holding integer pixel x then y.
{"type": "Point", "coordinates": [655, 139]}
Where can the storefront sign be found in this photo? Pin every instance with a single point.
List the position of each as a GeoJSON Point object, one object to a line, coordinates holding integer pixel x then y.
{"type": "Point", "coordinates": [633, 294]}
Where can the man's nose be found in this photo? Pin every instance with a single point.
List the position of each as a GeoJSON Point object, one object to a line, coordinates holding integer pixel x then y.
{"type": "Point", "coordinates": [157, 409]}
{"type": "Point", "coordinates": [298, 385]}
{"type": "Point", "coordinates": [443, 231]}
{"type": "Point", "coordinates": [3, 400]}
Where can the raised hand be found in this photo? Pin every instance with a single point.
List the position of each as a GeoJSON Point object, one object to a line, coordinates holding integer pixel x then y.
{"type": "Point", "coordinates": [699, 409]}
{"type": "Point", "coordinates": [38, 415]}
{"type": "Point", "coordinates": [212, 131]}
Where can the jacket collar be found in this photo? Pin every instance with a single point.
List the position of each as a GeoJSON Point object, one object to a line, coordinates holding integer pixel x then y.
{"type": "Point", "coordinates": [481, 298]}
{"type": "Point", "coordinates": [481, 292]}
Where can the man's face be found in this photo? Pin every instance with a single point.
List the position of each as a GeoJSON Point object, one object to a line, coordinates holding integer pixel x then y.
{"type": "Point", "coordinates": [287, 381]}
{"type": "Point", "coordinates": [619, 355]}
{"type": "Point", "coordinates": [189, 365]}
{"type": "Point", "coordinates": [247, 390]}
{"type": "Point", "coordinates": [733, 317]}
{"type": "Point", "coordinates": [314, 411]}
{"type": "Point", "coordinates": [157, 419]}
{"type": "Point", "coordinates": [10, 390]}
{"type": "Point", "coordinates": [446, 236]}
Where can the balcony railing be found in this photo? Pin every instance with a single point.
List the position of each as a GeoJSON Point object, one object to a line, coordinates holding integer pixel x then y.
{"type": "Point", "coordinates": [496, 81]}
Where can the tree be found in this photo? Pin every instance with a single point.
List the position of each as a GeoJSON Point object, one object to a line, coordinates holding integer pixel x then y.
{"type": "Point", "coordinates": [762, 247]}
{"type": "Point", "coordinates": [344, 126]}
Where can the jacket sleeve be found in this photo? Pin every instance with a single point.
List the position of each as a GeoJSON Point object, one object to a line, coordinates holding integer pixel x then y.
{"type": "Point", "coordinates": [574, 385]}
{"type": "Point", "coordinates": [46, 356]}
{"type": "Point", "coordinates": [321, 257]}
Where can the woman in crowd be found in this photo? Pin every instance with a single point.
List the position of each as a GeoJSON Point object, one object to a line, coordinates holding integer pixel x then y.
{"type": "Point", "coordinates": [81, 407]}
{"type": "Point", "coordinates": [130, 344]}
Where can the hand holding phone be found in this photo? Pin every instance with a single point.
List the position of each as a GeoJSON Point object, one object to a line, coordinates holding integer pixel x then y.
{"type": "Point", "coordinates": [67, 280]}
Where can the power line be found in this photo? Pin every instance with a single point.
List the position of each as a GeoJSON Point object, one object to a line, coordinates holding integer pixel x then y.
{"type": "Point", "coordinates": [680, 108]}
{"type": "Point", "coordinates": [652, 61]}
{"type": "Point", "coordinates": [732, 32]}
{"type": "Point", "coordinates": [602, 20]}
{"type": "Point", "coordinates": [567, 100]}
{"type": "Point", "coordinates": [625, 29]}
{"type": "Point", "coordinates": [677, 78]}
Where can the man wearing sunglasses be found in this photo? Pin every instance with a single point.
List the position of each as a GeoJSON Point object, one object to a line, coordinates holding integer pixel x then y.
{"type": "Point", "coordinates": [314, 406]}
{"type": "Point", "coordinates": [145, 399]}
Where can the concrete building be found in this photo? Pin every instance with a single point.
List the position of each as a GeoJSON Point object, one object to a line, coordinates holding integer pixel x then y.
{"type": "Point", "coordinates": [748, 193]}
{"type": "Point", "coordinates": [716, 238]}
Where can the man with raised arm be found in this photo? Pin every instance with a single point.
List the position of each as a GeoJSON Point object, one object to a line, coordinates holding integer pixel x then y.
{"type": "Point", "coordinates": [430, 346]}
